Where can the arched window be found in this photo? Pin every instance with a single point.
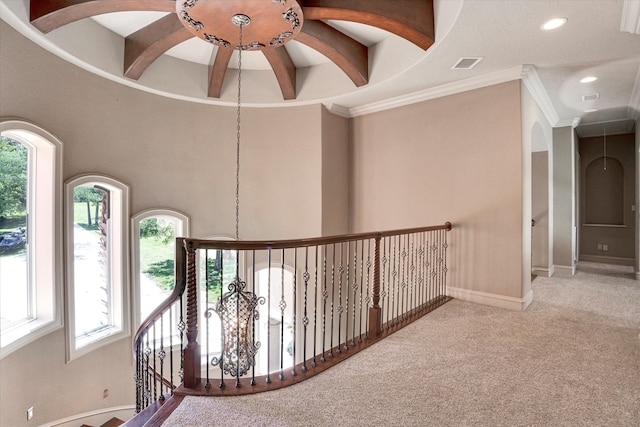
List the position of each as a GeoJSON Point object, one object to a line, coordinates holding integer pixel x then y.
{"type": "Point", "coordinates": [30, 229]}
{"type": "Point", "coordinates": [153, 234]}
{"type": "Point", "coordinates": [97, 262]}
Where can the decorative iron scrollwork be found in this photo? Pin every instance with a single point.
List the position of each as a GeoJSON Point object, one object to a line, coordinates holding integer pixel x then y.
{"type": "Point", "coordinates": [196, 25]}
{"type": "Point", "coordinates": [215, 40]}
{"type": "Point", "coordinates": [280, 40]}
{"type": "Point", "coordinates": [291, 16]}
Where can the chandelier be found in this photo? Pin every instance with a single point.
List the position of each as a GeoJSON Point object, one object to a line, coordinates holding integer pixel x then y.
{"type": "Point", "coordinates": [278, 21]}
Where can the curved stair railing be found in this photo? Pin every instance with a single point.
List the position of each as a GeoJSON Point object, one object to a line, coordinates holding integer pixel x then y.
{"type": "Point", "coordinates": [261, 315]}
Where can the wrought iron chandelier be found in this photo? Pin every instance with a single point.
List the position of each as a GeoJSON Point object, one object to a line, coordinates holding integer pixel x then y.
{"type": "Point", "coordinates": [237, 308]}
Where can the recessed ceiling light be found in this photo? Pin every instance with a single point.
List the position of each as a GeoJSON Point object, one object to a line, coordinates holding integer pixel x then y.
{"type": "Point", "coordinates": [588, 79]}
{"type": "Point", "coordinates": [554, 23]}
{"type": "Point", "coordinates": [591, 110]}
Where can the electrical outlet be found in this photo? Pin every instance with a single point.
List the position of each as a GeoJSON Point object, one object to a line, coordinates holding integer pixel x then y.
{"type": "Point", "coordinates": [605, 247]}
{"type": "Point", "coordinates": [30, 414]}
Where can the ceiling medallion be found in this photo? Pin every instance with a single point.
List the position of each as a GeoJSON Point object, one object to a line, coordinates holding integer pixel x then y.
{"type": "Point", "coordinates": [273, 22]}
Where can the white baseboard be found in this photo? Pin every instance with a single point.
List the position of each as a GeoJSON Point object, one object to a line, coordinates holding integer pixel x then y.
{"type": "Point", "coordinates": [564, 270]}
{"type": "Point", "coordinates": [543, 272]}
{"type": "Point", "coordinates": [96, 417]}
{"type": "Point", "coordinates": [494, 300]}
{"type": "Point", "coordinates": [608, 259]}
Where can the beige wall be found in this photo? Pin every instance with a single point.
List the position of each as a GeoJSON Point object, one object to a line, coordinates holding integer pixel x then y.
{"type": "Point", "coordinates": [564, 206]}
{"type": "Point", "coordinates": [172, 154]}
{"type": "Point", "coordinates": [335, 174]}
{"type": "Point", "coordinates": [457, 159]}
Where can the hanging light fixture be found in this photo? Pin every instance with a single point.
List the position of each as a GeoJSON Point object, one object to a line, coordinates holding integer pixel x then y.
{"type": "Point", "coordinates": [216, 21]}
{"type": "Point", "coordinates": [604, 147]}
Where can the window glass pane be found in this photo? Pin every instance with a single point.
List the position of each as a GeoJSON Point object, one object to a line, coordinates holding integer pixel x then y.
{"type": "Point", "coordinates": [91, 261]}
{"type": "Point", "coordinates": [15, 295]}
{"type": "Point", "coordinates": [157, 247]}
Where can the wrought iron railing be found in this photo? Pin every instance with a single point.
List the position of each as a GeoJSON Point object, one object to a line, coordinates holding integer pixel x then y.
{"type": "Point", "coordinates": [265, 314]}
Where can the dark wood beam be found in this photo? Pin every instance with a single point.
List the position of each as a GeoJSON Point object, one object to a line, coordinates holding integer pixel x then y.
{"type": "Point", "coordinates": [284, 69]}
{"type": "Point", "coordinates": [47, 15]}
{"type": "Point", "coordinates": [409, 19]}
{"type": "Point", "coordinates": [348, 54]}
{"type": "Point", "coordinates": [147, 44]}
{"type": "Point", "coordinates": [218, 71]}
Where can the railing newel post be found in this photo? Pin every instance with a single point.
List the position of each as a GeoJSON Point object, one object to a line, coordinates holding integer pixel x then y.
{"type": "Point", "coordinates": [192, 350]}
{"type": "Point", "coordinates": [375, 312]}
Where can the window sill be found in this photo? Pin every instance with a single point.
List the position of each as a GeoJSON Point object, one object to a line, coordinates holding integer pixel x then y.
{"type": "Point", "coordinates": [20, 336]}
{"type": "Point", "coordinates": [85, 345]}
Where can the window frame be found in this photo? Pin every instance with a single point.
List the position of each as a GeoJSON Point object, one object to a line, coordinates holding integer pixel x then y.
{"type": "Point", "coordinates": [184, 230]}
{"type": "Point", "coordinates": [44, 228]}
{"type": "Point", "coordinates": [119, 264]}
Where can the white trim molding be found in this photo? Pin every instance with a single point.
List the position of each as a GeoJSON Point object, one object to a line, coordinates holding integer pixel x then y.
{"type": "Point", "coordinates": [532, 81]}
{"type": "Point", "coordinates": [493, 300]}
{"type": "Point", "coordinates": [115, 411]}
{"type": "Point", "coordinates": [542, 272]}
{"type": "Point", "coordinates": [630, 21]}
{"type": "Point", "coordinates": [564, 270]}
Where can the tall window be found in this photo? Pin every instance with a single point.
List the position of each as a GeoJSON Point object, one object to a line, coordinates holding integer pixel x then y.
{"type": "Point", "coordinates": [30, 238]}
{"type": "Point", "coordinates": [97, 263]}
{"type": "Point", "coordinates": [153, 241]}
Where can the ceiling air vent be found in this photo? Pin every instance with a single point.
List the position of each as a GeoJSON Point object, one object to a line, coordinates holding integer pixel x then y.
{"type": "Point", "coordinates": [466, 63]}
{"type": "Point", "coordinates": [590, 97]}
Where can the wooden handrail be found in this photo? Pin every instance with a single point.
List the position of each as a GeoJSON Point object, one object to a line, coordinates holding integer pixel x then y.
{"type": "Point", "coordinates": [301, 243]}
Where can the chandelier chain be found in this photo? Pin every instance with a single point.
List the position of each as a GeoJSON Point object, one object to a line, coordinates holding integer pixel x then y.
{"type": "Point", "coordinates": [238, 137]}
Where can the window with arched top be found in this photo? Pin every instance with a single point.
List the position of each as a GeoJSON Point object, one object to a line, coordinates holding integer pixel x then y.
{"type": "Point", "coordinates": [30, 233]}
{"type": "Point", "coordinates": [604, 196]}
{"type": "Point", "coordinates": [153, 234]}
{"type": "Point", "coordinates": [97, 231]}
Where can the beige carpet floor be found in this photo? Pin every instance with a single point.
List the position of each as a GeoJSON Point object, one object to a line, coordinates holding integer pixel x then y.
{"type": "Point", "coordinates": [571, 359]}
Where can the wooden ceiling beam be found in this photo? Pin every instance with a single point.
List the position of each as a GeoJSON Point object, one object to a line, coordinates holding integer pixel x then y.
{"type": "Point", "coordinates": [47, 15]}
{"type": "Point", "coordinates": [146, 45]}
{"type": "Point", "coordinates": [284, 69]}
{"type": "Point", "coordinates": [412, 20]}
{"type": "Point", "coordinates": [218, 71]}
{"type": "Point", "coordinates": [351, 56]}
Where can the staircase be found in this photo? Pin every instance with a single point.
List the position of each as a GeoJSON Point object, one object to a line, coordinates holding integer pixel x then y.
{"type": "Point", "coordinates": [113, 422]}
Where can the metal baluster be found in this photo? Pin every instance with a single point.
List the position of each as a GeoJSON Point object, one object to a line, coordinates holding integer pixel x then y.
{"type": "Point", "coordinates": [171, 320]}
{"type": "Point", "coordinates": [346, 303]}
{"type": "Point", "coordinates": [155, 377]}
{"type": "Point", "coordinates": [340, 307]}
{"type": "Point", "coordinates": [161, 356]}
{"type": "Point", "coordinates": [385, 294]}
{"type": "Point", "coordinates": [361, 290]}
{"type": "Point", "coordinates": [412, 268]}
{"type": "Point", "coordinates": [445, 246]}
{"type": "Point", "coordinates": [325, 295]}
{"type": "Point", "coordinates": [138, 379]}
{"type": "Point", "coordinates": [403, 309]}
{"type": "Point", "coordinates": [207, 312]}
{"type": "Point", "coordinates": [333, 290]}
{"type": "Point", "coordinates": [394, 304]}
{"type": "Point", "coordinates": [268, 378]}
{"type": "Point", "coordinates": [354, 288]}
{"type": "Point", "coordinates": [368, 298]}
{"type": "Point", "coordinates": [222, 334]}
{"type": "Point", "coordinates": [315, 311]}
{"type": "Point", "coordinates": [295, 306]}
{"type": "Point", "coordinates": [253, 322]}
{"type": "Point", "coordinates": [283, 305]}
{"type": "Point", "coordinates": [305, 319]}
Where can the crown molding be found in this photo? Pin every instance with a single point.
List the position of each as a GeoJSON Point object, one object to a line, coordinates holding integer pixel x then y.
{"type": "Point", "coordinates": [439, 91]}
{"type": "Point", "coordinates": [630, 21]}
{"type": "Point", "coordinates": [526, 73]}
{"type": "Point", "coordinates": [532, 81]}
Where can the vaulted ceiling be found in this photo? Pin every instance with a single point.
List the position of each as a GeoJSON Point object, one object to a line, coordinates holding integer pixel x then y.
{"type": "Point", "coordinates": [355, 56]}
